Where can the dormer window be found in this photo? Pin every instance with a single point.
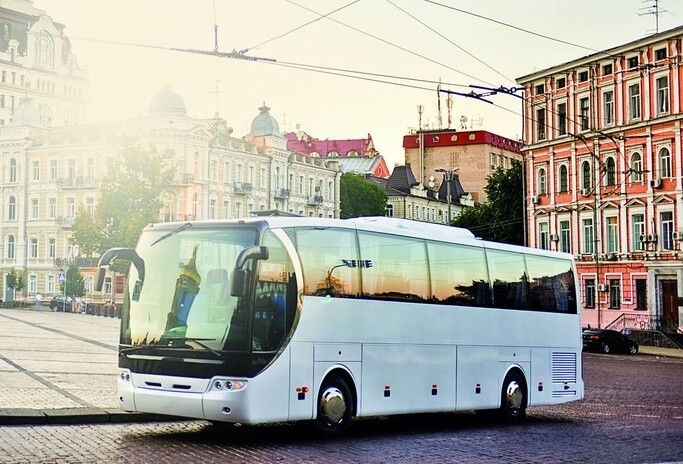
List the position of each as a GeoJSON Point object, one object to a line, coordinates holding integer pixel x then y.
{"type": "Point", "coordinates": [583, 76]}
{"type": "Point", "coordinates": [540, 89]}
{"type": "Point", "coordinates": [633, 62]}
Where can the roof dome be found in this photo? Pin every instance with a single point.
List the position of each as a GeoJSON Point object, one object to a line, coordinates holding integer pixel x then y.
{"type": "Point", "coordinates": [26, 114]}
{"type": "Point", "coordinates": [264, 124]}
{"type": "Point", "coordinates": [167, 102]}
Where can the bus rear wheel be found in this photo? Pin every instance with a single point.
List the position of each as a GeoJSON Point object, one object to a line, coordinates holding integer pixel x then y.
{"type": "Point", "coordinates": [334, 408]}
{"type": "Point", "coordinates": [514, 397]}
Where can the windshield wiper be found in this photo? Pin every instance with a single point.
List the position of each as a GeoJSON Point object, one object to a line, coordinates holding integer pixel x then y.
{"type": "Point", "coordinates": [173, 232]}
{"type": "Point", "coordinates": [198, 341]}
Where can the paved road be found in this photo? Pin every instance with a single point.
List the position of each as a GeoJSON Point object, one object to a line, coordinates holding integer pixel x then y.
{"type": "Point", "coordinates": [633, 413]}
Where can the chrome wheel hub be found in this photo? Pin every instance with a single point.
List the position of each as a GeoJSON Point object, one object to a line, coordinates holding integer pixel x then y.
{"type": "Point", "coordinates": [514, 395]}
{"type": "Point", "coordinates": [332, 404]}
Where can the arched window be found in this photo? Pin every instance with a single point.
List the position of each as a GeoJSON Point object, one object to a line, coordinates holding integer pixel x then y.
{"type": "Point", "coordinates": [564, 179]}
{"type": "Point", "coordinates": [12, 208]}
{"type": "Point", "coordinates": [664, 163]}
{"type": "Point", "coordinates": [45, 51]}
{"type": "Point", "coordinates": [611, 167]}
{"type": "Point", "coordinates": [636, 168]}
{"type": "Point", "coordinates": [586, 175]}
{"type": "Point", "coordinates": [10, 246]}
{"type": "Point", "coordinates": [542, 181]}
{"type": "Point", "coordinates": [12, 170]}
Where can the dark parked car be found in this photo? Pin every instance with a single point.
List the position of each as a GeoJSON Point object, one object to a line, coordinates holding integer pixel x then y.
{"type": "Point", "coordinates": [608, 341]}
{"type": "Point", "coordinates": [57, 303]}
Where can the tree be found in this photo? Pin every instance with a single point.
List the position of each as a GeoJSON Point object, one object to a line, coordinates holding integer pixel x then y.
{"type": "Point", "coordinates": [131, 197]}
{"type": "Point", "coordinates": [359, 197]}
{"type": "Point", "coordinates": [75, 283]}
{"type": "Point", "coordinates": [15, 280]}
{"type": "Point", "coordinates": [501, 218]}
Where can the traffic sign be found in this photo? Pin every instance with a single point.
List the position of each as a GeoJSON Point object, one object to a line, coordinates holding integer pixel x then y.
{"type": "Point", "coordinates": [62, 277]}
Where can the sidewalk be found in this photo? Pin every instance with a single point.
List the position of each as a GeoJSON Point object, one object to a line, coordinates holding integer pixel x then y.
{"type": "Point", "coordinates": [61, 368]}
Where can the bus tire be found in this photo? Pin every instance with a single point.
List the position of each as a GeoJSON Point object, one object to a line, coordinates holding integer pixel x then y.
{"type": "Point", "coordinates": [514, 397]}
{"type": "Point", "coordinates": [335, 409]}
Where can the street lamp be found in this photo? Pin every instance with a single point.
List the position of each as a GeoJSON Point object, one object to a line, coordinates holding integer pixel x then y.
{"type": "Point", "coordinates": [448, 177]}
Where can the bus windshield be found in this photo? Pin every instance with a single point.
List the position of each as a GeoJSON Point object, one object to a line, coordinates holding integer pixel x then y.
{"type": "Point", "coordinates": [184, 298]}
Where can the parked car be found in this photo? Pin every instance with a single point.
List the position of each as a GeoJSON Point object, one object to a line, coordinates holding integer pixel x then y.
{"type": "Point", "coordinates": [57, 303]}
{"type": "Point", "coordinates": [608, 341]}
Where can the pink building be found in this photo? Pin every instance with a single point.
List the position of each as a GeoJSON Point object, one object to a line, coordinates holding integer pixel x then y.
{"type": "Point", "coordinates": [604, 177]}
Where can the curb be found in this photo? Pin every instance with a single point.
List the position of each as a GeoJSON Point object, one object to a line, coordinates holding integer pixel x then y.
{"type": "Point", "coordinates": [75, 416]}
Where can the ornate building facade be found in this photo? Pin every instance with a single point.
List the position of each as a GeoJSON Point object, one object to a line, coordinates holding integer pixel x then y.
{"type": "Point", "coordinates": [604, 176]}
{"type": "Point", "coordinates": [49, 173]}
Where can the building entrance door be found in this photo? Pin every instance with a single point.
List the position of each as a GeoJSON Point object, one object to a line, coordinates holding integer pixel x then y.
{"type": "Point", "coordinates": [669, 305]}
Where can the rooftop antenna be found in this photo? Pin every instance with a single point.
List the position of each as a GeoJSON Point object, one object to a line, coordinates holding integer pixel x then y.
{"type": "Point", "coordinates": [215, 28]}
{"type": "Point", "coordinates": [449, 105]}
{"type": "Point", "coordinates": [438, 102]}
{"type": "Point", "coordinates": [652, 8]}
{"type": "Point", "coordinates": [420, 110]}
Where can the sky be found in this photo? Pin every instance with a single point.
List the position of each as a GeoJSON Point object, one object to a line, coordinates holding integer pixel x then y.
{"type": "Point", "coordinates": [124, 45]}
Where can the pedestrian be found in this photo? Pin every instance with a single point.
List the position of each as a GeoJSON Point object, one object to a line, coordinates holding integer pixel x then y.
{"type": "Point", "coordinates": [38, 302]}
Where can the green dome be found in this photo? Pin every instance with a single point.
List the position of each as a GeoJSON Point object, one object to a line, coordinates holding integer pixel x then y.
{"type": "Point", "coordinates": [26, 114]}
{"type": "Point", "coordinates": [167, 102]}
{"type": "Point", "coordinates": [264, 124]}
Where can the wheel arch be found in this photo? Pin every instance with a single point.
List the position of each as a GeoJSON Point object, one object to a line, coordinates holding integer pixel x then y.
{"type": "Point", "coordinates": [523, 375]}
{"type": "Point", "coordinates": [344, 374]}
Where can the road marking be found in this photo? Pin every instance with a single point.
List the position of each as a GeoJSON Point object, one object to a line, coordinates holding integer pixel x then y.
{"type": "Point", "coordinates": [646, 415]}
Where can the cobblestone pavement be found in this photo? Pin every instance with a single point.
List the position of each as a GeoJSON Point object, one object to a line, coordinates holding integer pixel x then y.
{"type": "Point", "coordinates": [633, 413]}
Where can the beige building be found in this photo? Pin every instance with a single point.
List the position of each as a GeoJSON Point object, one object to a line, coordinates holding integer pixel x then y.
{"type": "Point", "coordinates": [475, 154]}
{"type": "Point", "coordinates": [49, 173]}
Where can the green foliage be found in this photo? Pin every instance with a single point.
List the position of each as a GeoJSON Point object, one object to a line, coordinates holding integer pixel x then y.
{"type": "Point", "coordinates": [131, 197]}
{"type": "Point", "coordinates": [75, 282]}
{"type": "Point", "coordinates": [15, 280]}
{"type": "Point", "coordinates": [359, 197]}
{"type": "Point", "coordinates": [501, 218]}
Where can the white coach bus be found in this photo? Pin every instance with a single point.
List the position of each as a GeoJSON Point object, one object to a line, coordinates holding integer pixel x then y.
{"type": "Point", "coordinates": [292, 318]}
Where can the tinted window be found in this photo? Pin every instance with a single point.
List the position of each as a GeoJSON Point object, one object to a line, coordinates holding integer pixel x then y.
{"type": "Point", "coordinates": [396, 267]}
{"type": "Point", "coordinates": [551, 284]}
{"type": "Point", "coordinates": [509, 279]}
{"type": "Point", "coordinates": [328, 257]}
{"type": "Point", "coordinates": [459, 275]}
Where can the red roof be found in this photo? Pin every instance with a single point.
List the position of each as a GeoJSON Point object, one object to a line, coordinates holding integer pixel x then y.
{"type": "Point", "coordinates": [304, 144]}
{"type": "Point", "coordinates": [451, 137]}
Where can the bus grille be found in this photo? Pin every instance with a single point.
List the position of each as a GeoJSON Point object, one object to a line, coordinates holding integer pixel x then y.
{"type": "Point", "coordinates": [564, 367]}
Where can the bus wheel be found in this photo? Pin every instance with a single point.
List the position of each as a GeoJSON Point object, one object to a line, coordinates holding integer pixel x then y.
{"type": "Point", "coordinates": [334, 408]}
{"type": "Point", "coordinates": [513, 397]}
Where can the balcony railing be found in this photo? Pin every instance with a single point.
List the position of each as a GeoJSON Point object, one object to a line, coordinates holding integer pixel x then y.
{"type": "Point", "coordinates": [282, 193]}
{"type": "Point", "coordinates": [61, 263]}
{"type": "Point", "coordinates": [64, 221]}
{"type": "Point", "coordinates": [315, 200]}
{"type": "Point", "coordinates": [242, 188]}
{"type": "Point", "coordinates": [183, 179]}
{"type": "Point", "coordinates": [77, 182]}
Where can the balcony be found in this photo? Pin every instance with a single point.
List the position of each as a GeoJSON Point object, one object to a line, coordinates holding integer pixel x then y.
{"type": "Point", "coordinates": [61, 263]}
{"type": "Point", "coordinates": [282, 194]}
{"type": "Point", "coordinates": [77, 182]}
{"type": "Point", "coordinates": [242, 188]}
{"type": "Point", "coordinates": [64, 221]}
{"type": "Point", "coordinates": [183, 179]}
{"type": "Point", "coordinates": [315, 200]}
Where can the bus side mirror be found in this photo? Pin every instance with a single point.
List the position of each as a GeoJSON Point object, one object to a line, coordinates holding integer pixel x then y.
{"type": "Point", "coordinates": [240, 275]}
{"type": "Point", "coordinates": [120, 253]}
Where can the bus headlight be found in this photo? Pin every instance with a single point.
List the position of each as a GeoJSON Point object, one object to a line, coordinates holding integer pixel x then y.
{"type": "Point", "coordinates": [228, 384]}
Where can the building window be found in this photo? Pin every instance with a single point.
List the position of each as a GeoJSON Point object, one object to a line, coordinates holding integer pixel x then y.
{"type": "Point", "coordinates": [45, 51]}
{"type": "Point", "coordinates": [561, 82]}
{"type": "Point", "coordinates": [590, 293]}
{"type": "Point", "coordinates": [90, 206]}
{"type": "Point", "coordinates": [11, 208]}
{"type": "Point", "coordinates": [584, 113]}
{"type": "Point", "coordinates": [212, 209]}
{"type": "Point", "coordinates": [35, 170]}
{"type": "Point", "coordinates": [583, 76]}
{"type": "Point", "coordinates": [390, 210]}
{"type": "Point", "coordinates": [540, 89]}
{"type": "Point", "coordinates": [33, 283]}
{"type": "Point", "coordinates": [636, 168]}
{"type": "Point", "coordinates": [90, 168]}
{"type": "Point", "coordinates": [634, 101]}
{"type": "Point", "coordinates": [51, 247]}
{"type": "Point", "coordinates": [50, 284]}
{"type": "Point", "coordinates": [664, 163]}
{"type": "Point", "coordinates": [587, 246]}
{"type": "Point", "coordinates": [565, 237]}
{"type": "Point", "coordinates": [614, 294]}
{"type": "Point", "coordinates": [33, 248]}
{"type": "Point", "coordinates": [637, 231]}
{"type": "Point", "coordinates": [12, 170]}
{"type": "Point", "coordinates": [608, 107]}
{"type": "Point", "coordinates": [666, 223]}
{"type": "Point", "coordinates": [586, 175]}
{"type": "Point", "coordinates": [53, 169]}
{"type": "Point", "coordinates": [564, 179]}
{"type": "Point", "coordinates": [562, 118]}
{"type": "Point", "coordinates": [611, 175]}
{"type": "Point", "coordinates": [195, 206]}
{"type": "Point", "coordinates": [612, 235]}
{"type": "Point", "coordinates": [540, 124]}
{"type": "Point", "coordinates": [543, 236]}
{"type": "Point", "coordinates": [10, 246]}
{"type": "Point", "coordinates": [214, 169]}
{"type": "Point", "coordinates": [660, 54]}
{"type": "Point", "coordinates": [663, 95]}
{"type": "Point", "coordinates": [542, 181]}
{"type": "Point", "coordinates": [226, 209]}
{"type": "Point", "coordinates": [607, 69]}
{"type": "Point", "coordinates": [641, 294]}
{"type": "Point", "coordinates": [34, 208]}
{"type": "Point", "coordinates": [633, 62]}
{"type": "Point", "coordinates": [51, 208]}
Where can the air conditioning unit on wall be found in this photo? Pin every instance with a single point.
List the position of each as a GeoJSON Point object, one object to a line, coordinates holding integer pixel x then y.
{"type": "Point", "coordinates": [554, 237]}
{"type": "Point", "coordinates": [534, 200]}
{"type": "Point", "coordinates": [678, 235]}
{"type": "Point", "coordinates": [585, 192]}
{"type": "Point", "coordinates": [656, 183]}
{"type": "Point", "coordinates": [602, 287]}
